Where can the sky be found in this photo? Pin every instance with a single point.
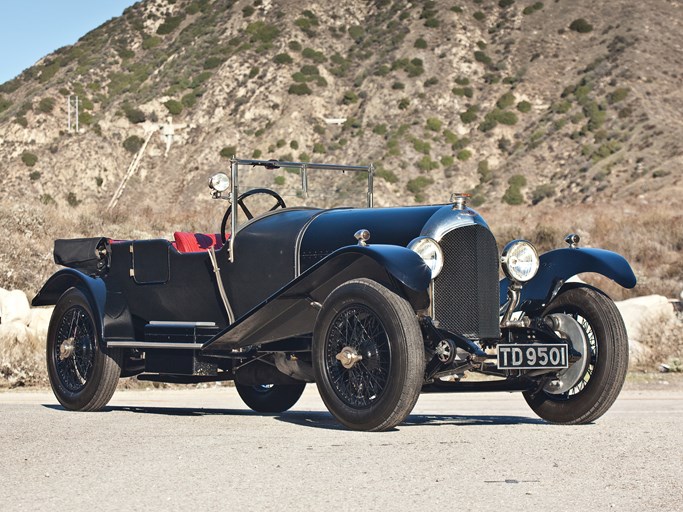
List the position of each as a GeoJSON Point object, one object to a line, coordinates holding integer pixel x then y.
{"type": "Point", "coordinates": [31, 29]}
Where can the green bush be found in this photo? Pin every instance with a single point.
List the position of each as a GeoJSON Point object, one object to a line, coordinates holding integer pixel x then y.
{"type": "Point", "coordinates": [349, 98]}
{"type": "Point", "coordinates": [524, 106]}
{"type": "Point", "coordinates": [228, 151]}
{"type": "Point", "coordinates": [29, 159]}
{"type": "Point", "coordinates": [135, 115]}
{"type": "Point", "coordinates": [256, 153]}
{"type": "Point", "coordinates": [262, 32]}
{"type": "Point", "coordinates": [380, 129]}
{"type": "Point", "coordinates": [467, 92]}
{"type": "Point", "coordinates": [283, 58]}
{"type": "Point", "coordinates": [398, 86]}
{"type": "Point", "coordinates": [485, 173]}
{"type": "Point", "coordinates": [34, 175]}
{"type": "Point", "coordinates": [561, 107]}
{"type": "Point", "coordinates": [279, 180]}
{"type": "Point", "coordinates": [133, 143]}
{"type": "Point", "coordinates": [470, 115]}
{"type": "Point", "coordinates": [46, 105]}
{"type": "Point", "coordinates": [5, 103]}
{"type": "Point", "coordinates": [318, 148]}
{"type": "Point", "coordinates": [542, 192]}
{"type": "Point", "coordinates": [403, 104]}
{"type": "Point", "coordinates": [189, 100]}
{"type": "Point", "coordinates": [464, 155]}
{"type": "Point", "coordinates": [581, 26]}
{"type": "Point", "coordinates": [174, 107]}
{"type": "Point", "coordinates": [517, 180]}
{"type": "Point", "coordinates": [506, 117]}
{"type": "Point", "coordinates": [248, 11]}
{"type": "Point", "coordinates": [304, 157]}
{"type": "Point", "coordinates": [85, 119]}
{"type": "Point", "coordinates": [72, 199]}
{"type": "Point", "coordinates": [356, 33]}
{"type": "Point", "coordinates": [530, 9]}
{"type": "Point", "coordinates": [506, 100]}
{"type": "Point", "coordinates": [618, 95]}
{"type": "Point", "coordinates": [21, 121]}
{"type": "Point", "coordinates": [513, 196]}
{"type": "Point", "coordinates": [295, 46]}
{"type": "Point", "coordinates": [386, 174]}
{"type": "Point", "coordinates": [169, 25]}
{"type": "Point", "coordinates": [480, 56]}
{"type": "Point", "coordinates": [420, 43]}
{"type": "Point", "coordinates": [213, 62]}
{"type": "Point", "coordinates": [434, 124]}
{"type": "Point", "coordinates": [427, 164]}
{"type": "Point", "coordinates": [417, 185]}
{"type": "Point", "coordinates": [505, 3]}
{"type": "Point", "coordinates": [431, 22]}
{"type": "Point", "coordinates": [447, 160]}
{"type": "Point", "coordinates": [431, 81]}
{"type": "Point", "coordinates": [479, 16]}
{"type": "Point", "coordinates": [422, 146]}
{"type": "Point", "coordinates": [314, 55]}
{"type": "Point", "coordinates": [150, 42]}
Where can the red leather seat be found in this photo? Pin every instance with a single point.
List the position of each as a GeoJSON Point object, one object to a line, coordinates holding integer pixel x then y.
{"type": "Point", "coordinates": [196, 242]}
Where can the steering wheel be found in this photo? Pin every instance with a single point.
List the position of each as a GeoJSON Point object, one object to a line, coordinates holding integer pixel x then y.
{"type": "Point", "coordinates": [240, 201]}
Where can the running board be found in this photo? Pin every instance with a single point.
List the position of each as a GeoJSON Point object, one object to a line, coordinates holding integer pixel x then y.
{"type": "Point", "coordinates": [154, 344]}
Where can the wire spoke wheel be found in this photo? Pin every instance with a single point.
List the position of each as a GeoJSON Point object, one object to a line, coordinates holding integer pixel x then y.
{"type": "Point", "coordinates": [83, 374]}
{"type": "Point", "coordinates": [598, 386]}
{"type": "Point", "coordinates": [359, 331]}
{"type": "Point", "coordinates": [368, 356]}
{"type": "Point", "coordinates": [75, 349]}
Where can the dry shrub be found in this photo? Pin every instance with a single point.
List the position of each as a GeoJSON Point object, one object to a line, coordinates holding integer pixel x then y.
{"type": "Point", "coordinates": [22, 361]}
{"type": "Point", "coordinates": [663, 335]}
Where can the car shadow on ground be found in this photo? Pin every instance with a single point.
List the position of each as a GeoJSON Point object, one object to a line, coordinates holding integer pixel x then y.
{"type": "Point", "coordinates": [321, 419]}
{"type": "Point", "coordinates": [325, 420]}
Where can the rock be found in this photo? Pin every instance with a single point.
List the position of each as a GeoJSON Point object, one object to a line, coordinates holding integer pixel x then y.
{"type": "Point", "coordinates": [14, 307]}
{"type": "Point", "coordinates": [40, 321]}
{"type": "Point", "coordinates": [636, 313]}
{"type": "Point", "coordinates": [638, 310]}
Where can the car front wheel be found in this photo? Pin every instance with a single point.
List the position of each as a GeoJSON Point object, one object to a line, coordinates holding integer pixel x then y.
{"type": "Point", "coordinates": [368, 356]}
{"type": "Point", "coordinates": [593, 390]}
{"type": "Point", "coordinates": [83, 374]}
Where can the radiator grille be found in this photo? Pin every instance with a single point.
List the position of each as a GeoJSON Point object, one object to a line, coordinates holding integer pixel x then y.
{"type": "Point", "coordinates": [466, 291]}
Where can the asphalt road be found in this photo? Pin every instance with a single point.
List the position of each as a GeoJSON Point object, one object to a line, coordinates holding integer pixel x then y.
{"type": "Point", "coordinates": [202, 449]}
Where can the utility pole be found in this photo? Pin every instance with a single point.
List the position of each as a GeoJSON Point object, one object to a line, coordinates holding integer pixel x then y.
{"type": "Point", "coordinates": [72, 104]}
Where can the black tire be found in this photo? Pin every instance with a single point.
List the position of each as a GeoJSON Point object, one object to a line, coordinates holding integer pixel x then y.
{"type": "Point", "coordinates": [378, 391]}
{"type": "Point", "coordinates": [82, 374]}
{"type": "Point", "coordinates": [270, 398]}
{"type": "Point", "coordinates": [598, 388]}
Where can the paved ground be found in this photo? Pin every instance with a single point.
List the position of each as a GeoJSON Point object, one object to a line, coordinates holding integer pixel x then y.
{"type": "Point", "coordinates": [203, 450]}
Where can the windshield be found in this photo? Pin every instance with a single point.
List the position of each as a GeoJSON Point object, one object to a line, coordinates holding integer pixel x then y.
{"type": "Point", "coordinates": [307, 184]}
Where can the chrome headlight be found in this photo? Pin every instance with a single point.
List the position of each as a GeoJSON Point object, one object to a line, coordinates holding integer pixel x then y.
{"type": "Point", "coordinates": [430, 252]}
{"type": "Point", "coordinates": [219, 182]}
{"type": "Point", "coordinates": [520, 261]}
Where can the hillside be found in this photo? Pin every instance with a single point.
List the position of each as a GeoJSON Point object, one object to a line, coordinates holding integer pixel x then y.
{"type": "Point", "coordinates": [556, 103]}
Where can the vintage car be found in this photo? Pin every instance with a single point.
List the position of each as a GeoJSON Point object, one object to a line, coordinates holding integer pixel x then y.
{"type": "Point", "coordinates": [374, 305]}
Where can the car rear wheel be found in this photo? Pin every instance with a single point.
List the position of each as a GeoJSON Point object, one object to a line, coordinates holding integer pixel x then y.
{"type": "Point", "coordinates": [82, 374]}
{"type": "Point", "coordinates": [592, 392]}
{"type": "Point", "coordinates": [368, 356]}
{"type": "Point", "coordinates": [270, 398]}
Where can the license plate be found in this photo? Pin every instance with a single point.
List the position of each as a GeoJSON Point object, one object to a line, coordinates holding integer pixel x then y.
{"type": "Point", "coordinates": [530, 356]}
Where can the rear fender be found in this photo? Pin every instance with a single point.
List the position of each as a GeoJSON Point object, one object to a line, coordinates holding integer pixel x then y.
{"type": "Point", "coordinates": [559, 265]}
{"type": "Point", "coordinates": [93, 288]}
{"type": "Point", "coordinates": [292, 310]}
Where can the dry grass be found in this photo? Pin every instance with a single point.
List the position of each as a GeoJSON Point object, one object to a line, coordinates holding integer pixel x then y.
{"type": "Point", "coordinates": [663, 335]}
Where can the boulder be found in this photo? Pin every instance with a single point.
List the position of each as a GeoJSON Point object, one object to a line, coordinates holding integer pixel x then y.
{"type": "Point", "coordinates": [637, 312]}
{"type": "Point", "coordinates": [14, 307]}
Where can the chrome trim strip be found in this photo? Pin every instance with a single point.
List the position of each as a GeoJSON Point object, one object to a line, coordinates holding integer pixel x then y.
{"type": "Point", "coordinates": [299, 240]}
{"type": "Point", "coordinates": [169, 323]}
{"type": "Point", "coordinates": [154, 344]}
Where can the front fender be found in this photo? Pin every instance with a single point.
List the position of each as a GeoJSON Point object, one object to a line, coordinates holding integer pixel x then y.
{"type": "Point", "coordinates": [559, 265]}
{"type": "Point", "coordinates": [292, 310]}
{"type": "Point", "coordinates": [93, 288]}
